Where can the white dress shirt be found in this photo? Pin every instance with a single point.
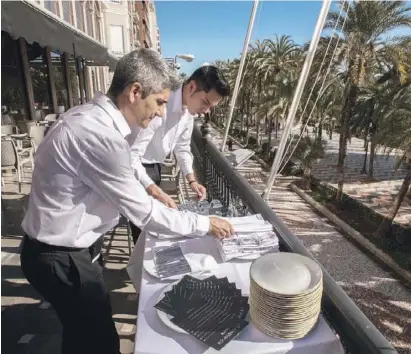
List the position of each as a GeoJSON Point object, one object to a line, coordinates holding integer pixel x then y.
{"type": "Point", "coordinates": [83, 179]}
{"type": "Point", "coordinates": [163, 136]}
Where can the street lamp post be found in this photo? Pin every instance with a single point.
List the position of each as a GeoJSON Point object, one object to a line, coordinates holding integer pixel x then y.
{"type": "Point", "coordinates": [185, 57]}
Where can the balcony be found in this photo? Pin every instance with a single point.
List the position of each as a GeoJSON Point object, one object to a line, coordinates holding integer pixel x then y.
{"type": "Point", "coordinates": [239, 188]}
{"type": "Point", "coordinates": [234, 187]}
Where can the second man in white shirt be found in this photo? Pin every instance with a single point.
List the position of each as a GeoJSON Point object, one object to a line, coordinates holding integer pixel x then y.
{"type": "Point", "coordinates": [204, 89]}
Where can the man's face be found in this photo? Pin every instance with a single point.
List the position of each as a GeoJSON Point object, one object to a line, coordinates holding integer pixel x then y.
{"type": "Point", "coordinates": [199, 102]}
{"type": "Point", "coordinates": [143, 110]}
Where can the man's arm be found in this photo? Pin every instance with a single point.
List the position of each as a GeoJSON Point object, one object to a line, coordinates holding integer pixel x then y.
{"type": "Point", "coordinates": [138, 149]}
{"type": "Point", "coordinates": [182, 149]}
{"type": "Point", "coordinates": [106, 168]}
{"type": "Point", "coordinates": [185, 159]}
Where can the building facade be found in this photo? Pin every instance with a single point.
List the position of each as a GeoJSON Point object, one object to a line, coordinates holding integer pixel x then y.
{"type": "Point", "coordinates": [64, 50]}
{"type": "Point", "coordinates": [53, 60]}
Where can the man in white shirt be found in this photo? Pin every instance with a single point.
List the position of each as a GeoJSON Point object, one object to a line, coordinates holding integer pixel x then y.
{"type": "Point", "coordinates": [82, 180]}
{"type": "Point", "coordinates": [203, 90]}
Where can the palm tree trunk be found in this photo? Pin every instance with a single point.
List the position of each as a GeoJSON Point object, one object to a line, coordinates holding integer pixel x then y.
{"type": "Point", "coordinates": [258, 133]}
{"type": "Point", "coordinates": [276, 125]}
{"type": "Point", "coordinates": [270, 131]}
{"type": "Point", "coordinates": [247, 133]}
{"type": "Point", "coordinates": [320, 130]}
{"type": "Point", "coordinates": [346, 117]}
{"type": "Point", "coordinates": [372, 155]}
{"type": "Point", "coordinates": [385, 226]}
{"type": "Point", "coordinates": [307, 177]}
{"type": "Point", "coordinates": [364, 165]}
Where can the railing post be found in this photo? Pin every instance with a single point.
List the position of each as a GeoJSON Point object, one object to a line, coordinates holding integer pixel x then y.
{"type": "Point", "coordinates": [206, 129]}
{"type": "Point", "coordinates": [206, 134]}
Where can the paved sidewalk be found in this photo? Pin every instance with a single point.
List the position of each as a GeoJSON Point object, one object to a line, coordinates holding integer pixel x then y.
{"type": "Point", "coordinates": [378, 193]}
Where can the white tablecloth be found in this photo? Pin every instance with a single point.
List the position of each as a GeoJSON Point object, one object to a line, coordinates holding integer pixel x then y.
{"type": "Point", "coordinates": [154, 337]}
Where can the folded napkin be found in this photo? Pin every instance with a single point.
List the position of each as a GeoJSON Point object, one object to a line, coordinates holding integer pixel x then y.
{"type": "Point", "coordinates": [248, 244]}
{"type": "Point", "coordinates": [250, 224]}
{"type": "Point", "coordinates": [199, 253]}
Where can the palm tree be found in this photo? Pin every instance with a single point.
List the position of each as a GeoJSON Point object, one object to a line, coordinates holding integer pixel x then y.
{"type": "Point", "coordinates": [307, 152]}
{"type": "Point", "coordinates": [363, 45]}
{"type": "Point", "coordinates": [396, 133]}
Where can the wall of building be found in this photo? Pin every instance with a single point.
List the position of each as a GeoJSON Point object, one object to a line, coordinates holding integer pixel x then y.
{"type": "Point", "coordinates": [117, 26]}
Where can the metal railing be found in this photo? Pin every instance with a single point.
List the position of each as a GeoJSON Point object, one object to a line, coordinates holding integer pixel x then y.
{"type": "Point", "coordinates": [223, 182]}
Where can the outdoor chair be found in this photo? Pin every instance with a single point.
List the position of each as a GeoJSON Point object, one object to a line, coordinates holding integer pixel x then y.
{"type": "Point", "coordinates": [8, 129]}
{"type": "Point", "coordinates": [37, 134]}
{"type": "Point", "coordinates": [51, 117]}
{"type": "Point", "coordinates": [13, 158]}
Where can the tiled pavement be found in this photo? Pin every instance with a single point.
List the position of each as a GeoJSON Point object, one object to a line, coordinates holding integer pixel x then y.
{"type": "Point", "coordinates": [379, 193]}
{"type": "Point", "coordinates": [378, 293]}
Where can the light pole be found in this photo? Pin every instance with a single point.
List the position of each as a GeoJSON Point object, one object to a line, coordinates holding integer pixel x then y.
{"type": "Point", "coordinates": [185, 57]}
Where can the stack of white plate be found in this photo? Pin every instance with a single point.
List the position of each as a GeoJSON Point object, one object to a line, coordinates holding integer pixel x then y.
{"type": "Point", "coordinates": [285, 294]}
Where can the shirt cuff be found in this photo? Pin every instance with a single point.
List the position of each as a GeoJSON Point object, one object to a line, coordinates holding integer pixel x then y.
{"type": "Point", "coordinates": [203, 225]}
{"type": "Point", "coordinates": [187, 168]}
{"type": "Point", "coordinates": [145, 180]}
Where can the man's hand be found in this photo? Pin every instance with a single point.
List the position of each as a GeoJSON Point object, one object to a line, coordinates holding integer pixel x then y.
{"type": "Point", "coordinates": [157, 193]}
{"type": "Point", "coordinates": [198, 189]}
{"type": "Point", "coordinates": [220, 228]}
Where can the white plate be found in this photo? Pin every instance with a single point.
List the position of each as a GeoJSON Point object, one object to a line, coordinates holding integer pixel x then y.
{"type": "Point", "coordinates": [273, 272]}
{"type": "Point", "coordinates": [165, 318]}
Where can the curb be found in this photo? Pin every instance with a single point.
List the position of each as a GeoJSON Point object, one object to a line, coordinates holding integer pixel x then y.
{"type": "Point", "coordinates": [359, 238]}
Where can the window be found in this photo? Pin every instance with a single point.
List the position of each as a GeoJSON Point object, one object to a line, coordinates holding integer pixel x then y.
{"type": "Point", "coordinates": [60, 81]}
{"type": "Point", "coordinates": [67, 16]}
{"type": "Point", "coordinates": [116, 40]}
{"type": "Point", "coordinates": [98, 29]}
{"type": "Point", "coordinates": [74, 81]}
{"type": "Point", "coordinates": [40, 79]}
{"type": "Point", "coordinates": [13, 92]}
{"type": "Point", "coordinates": [79, 15]}
{"type": "Point", "coordinates": [102, 81]}
{"type": "Point", "coordinates": [51, 6]}
{"type": "Point", "coordinates": [89, 12]}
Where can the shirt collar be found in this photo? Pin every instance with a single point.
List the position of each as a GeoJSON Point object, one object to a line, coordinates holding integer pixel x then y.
{"type": "Point", "coordinates": [108, 105]}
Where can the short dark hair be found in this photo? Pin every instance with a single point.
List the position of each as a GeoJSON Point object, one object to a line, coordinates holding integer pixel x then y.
{"type": "Point", "coordinates": [209, 77]}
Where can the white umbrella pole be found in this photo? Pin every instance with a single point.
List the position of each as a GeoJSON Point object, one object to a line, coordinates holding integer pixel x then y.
{"type": "Point", "coordinates": [240, 71]}
{"type": "Point", "coordinates": [297, 96]}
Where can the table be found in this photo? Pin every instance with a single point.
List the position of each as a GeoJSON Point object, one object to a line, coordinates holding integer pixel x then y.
{"type": "Point", "coordinates": [154, 337]}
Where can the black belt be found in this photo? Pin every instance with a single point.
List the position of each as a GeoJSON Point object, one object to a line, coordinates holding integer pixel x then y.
{"type": "Point", "coordinates": [151, 164]}
{"type": "Point", "coordinates": [94, 249]}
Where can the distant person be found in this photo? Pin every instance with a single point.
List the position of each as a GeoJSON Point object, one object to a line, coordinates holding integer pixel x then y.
{"type": "Point", "coordinates": [204, 89]}
{"type": "Point", "coordinates": [230, 145]}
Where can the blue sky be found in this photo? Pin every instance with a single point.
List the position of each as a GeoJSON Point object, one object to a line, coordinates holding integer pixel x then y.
{"type": "Point", "coordinates": [213, 30]}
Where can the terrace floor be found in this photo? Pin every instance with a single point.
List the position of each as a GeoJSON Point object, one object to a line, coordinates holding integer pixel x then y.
{"type": "Point", "coordinates": [30, 325]}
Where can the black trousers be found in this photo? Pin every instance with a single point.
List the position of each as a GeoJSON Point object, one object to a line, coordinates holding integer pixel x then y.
{"type": "Point", "coordinates": [154, 172]}
{"type": "Point", "coordinates": [74, 286]}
